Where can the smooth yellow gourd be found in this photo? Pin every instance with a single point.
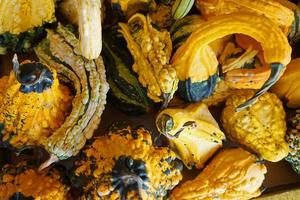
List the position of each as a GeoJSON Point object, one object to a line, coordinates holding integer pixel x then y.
{"type": "Point", "coordinates": [193, 133]}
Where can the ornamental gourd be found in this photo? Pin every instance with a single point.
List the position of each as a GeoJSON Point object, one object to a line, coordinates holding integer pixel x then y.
{"type": "Point", "coordinates": [261, 127]}
{"type": "Point", "coordinates": [232, 174]}
{"type": "Point", "coordinates": [192, 133]}
{"type": "Point", "coordinates": [151, 50]}
{"type": "Point", "coordinates": [293, 139]}
{"type": "Point", "coordinates": [61, 50]}
{"type": "Point", "coordinates": [125, 165]}
{"type": "Point", "coordinates": [23, 181]}
{"type": "Point", "coordinates": [22, 23]}
{"type": "Point", "coordinates": [126, 93]}
{"type": "Point", "coordinates": [287, 87]}
{"type": "Point", "coordinates": [33, 104]}
{"type": "Point", "coordinates": [196, 63]}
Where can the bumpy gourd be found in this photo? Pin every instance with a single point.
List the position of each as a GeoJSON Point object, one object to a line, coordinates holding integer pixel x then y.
{"type": "Point", "coordinates": [192, 132]}
{"type": "Point", "coordinates": [261, 127]}
{"type": "Point", "coordinates": [21, 23]}
{"type": "Point", "coordinates": [33, 104]}
{"type": "Point", "coordinates": [232, 174]}
{"type": "Point", "coordinates": [25, 182]}
{"type": "Point", "coordinates": [288, 85]}
{"type": "Point", "coordinates": [125, 165]}
{"type": "Point", "coordinates": [196, 63]}
{"type": "Point", "coordinates": [151, 50]}
{"type": "Point", "coordinates": [273, 10]}
{"type": "Point", "coordinates": [293, 139]}
{"type": "Point", "coordinates": [61, 50]}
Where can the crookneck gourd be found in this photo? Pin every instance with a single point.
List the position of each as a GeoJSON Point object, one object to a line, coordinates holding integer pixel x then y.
{"type": "Point", "coordinates": [61, 50]}
{"type": "Point", "coordinates": [196, 62]}
{"type": "Point", "coordinates": [125, 165]}
{"type": "Point", "coordinates": [25, 182]}
{"type": "Point", "coordinates": [151, 50]}
{"type": "Point", "coordinates": [232, 174]}
{"type": "Point", "coordinates": [261, 127]}
{"type": "Point", "coordinates": [33, 104]}
{"type": "Point", "coordinates": [22, 23]}
{"type": "Point", "coordinates": [271, 9]}
{"type": "Point", "coordinates": [293, 139]}
{"type": "Point", "coordinates": [192, 132]}
{"type": "Point", "coordinates": [126, 93]}
{"type": "Point", "coordinates": [288, 85]}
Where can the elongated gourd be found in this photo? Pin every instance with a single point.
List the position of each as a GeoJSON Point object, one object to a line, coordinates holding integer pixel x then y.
{"type": "Point", "coordinates": [90, 28]}
{"type": "Point", "coordinates": [61, 50]}
{"type": "Point", "coordinates": [279, 14]}
{"type": "Point", "coordinates": [192, 132]}
{"type": "Point", "coordinates": [194, 61]}
{"type": "Point", "coordinates": [287, 87]}
{"type": "Point", "coordinates": [151, 50]}
{"type": "Point", "coordinates": [232, 174]}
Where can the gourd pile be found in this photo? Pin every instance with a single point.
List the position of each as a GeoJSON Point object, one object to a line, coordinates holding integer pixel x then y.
{"type": "Point", "coordinates": [176, 59]}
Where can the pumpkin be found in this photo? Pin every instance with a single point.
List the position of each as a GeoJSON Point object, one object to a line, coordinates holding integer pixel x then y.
{"type": "Point", "coordinates": [196, 63]}
{"type": "Point", "coordinates": [276, 12]}
{"type": "Point", "coordinates": [192, 133]}
{"type": "Point", "coordinates": [288, 85]}
{"type": "Point", "coordinates": [33, 103]}
{"type": "Point", "coordinates": [293, 139]}
{"type": "Point", "coordinates": [151, 50]}
{"type": "Point", "coordinates": [23, 181]}
{"type": "Point", "coordinates": [232, 174]}
{"type": "Point", "coordinates": [61, 50]}
{"type": "Point", "coordinates": [125, 165]}
{"type": "Point", "coordinates": [126, 93]}
{"type": "Point", "coordinates": [26, 28]}
{"type": "Point", "coordinates": [261, 127]}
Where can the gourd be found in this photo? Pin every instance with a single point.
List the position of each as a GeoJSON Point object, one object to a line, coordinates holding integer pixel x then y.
{"type": "Point", "coordinates": [192, 133]}
{"type": "Point", "coordinates": [126, 93]}
{"type": "Point", "coordinates": [261, 127]}
{"type": "Point", "coordinates": [26, 28]}
{"type": "Point", "coordinates": [90, 28]}
{"type": "Point", "coordinates": [293, 139]}
{"type": "Point", "coordinates": [151, 50]}
{"type": "Point", "coordinates": [181, 8]}
{"type": "Point", "coordinates": [288, 85]}
{"type": "Point", "coordinates": [279, 14]}
{"type": "Point", "coordinates": [23, 181]}
{"type": "Point", "coordinates": [33, 103]}
{"type": "Point", "coordinates": [196, 63]}
{"type": "Point", "coordinates": [128, 8]}
{"type": "Point", "coordinates": [125, 165]}
{"type": "Point", "coordinates": [232, 174]}
{"type": "Point", "coordinates": [61, 50]}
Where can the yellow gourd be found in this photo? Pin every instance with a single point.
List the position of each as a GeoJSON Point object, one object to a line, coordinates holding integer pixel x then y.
{"type": "Point", "coordinates": [232, 174]}
{"type": "Point", "coordinates": [30, 112]}
{"type": "Point", "coordinates": [275, 11]}
{"type": "Point", "coordinates": [192, 132]}
{"type": "Point", "coordinates": [25, 182]}
{"type": "Point", "coordinates": [288, 85]}
{"type": "Point", "coordinates": [151, 50]}
{"type": "Point", "coordinates": [195, 61]}
{"type": "Point", "coordinates": [261, 127]}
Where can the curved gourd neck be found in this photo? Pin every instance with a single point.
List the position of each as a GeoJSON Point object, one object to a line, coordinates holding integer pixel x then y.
{"type": "Point", "coordinates": [33, 76]}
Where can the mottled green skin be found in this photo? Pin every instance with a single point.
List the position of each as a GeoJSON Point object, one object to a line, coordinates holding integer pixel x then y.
{"type": "Point", "coordinates": [293, 138]}
{"type": "Point", "coordinates": [126, 93]}
{"type": "Point", "coordinates": [22, 42]}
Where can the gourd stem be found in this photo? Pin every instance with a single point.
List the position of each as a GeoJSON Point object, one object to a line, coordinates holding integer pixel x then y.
{"type": "Point", "coordinates": [276, 69]}
{"type": "Point", "coordinates": [53, 158]}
